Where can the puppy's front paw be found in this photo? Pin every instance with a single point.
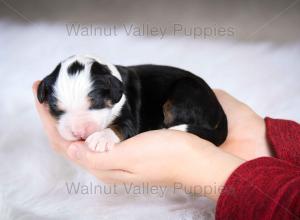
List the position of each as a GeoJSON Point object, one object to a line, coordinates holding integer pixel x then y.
{"type": "Point", "coordinates": [102, 141]}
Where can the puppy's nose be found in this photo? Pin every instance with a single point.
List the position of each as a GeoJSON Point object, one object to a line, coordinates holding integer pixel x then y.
{"type": "Point", "coordinates": [84, 131]}
{"type": "Point", "coordinates": [79, 134]}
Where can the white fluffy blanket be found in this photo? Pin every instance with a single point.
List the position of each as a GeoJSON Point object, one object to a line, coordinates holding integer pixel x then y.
{"type": "Point", "coordinates": [33, 178]}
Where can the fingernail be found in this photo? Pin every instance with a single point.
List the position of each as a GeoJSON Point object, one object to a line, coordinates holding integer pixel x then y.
{"type": "Point", "coordinates": [74, 152]}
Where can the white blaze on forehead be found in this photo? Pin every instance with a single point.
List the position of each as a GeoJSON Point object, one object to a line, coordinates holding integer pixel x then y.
{"type": "Point", "coordinates": [110, 66]}
{"type": "Point", "coordinates": [72, 90]}
{"type": "Point", "coordinates": [91, 59]}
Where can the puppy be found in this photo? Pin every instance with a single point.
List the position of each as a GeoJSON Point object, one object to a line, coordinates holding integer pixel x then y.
{"type": "Point", "coordinates": [104, 104]}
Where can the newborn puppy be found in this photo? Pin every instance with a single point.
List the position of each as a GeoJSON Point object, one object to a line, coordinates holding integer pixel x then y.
{"type": "Point", "coordinates": [104, 104]}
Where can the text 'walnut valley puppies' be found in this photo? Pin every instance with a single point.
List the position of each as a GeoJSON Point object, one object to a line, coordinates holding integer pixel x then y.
{"type": "Point", "coordinates": [104, 104]}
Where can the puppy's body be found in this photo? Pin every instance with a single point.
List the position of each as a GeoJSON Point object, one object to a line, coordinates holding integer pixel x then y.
{"type": "Point", "coordinates": [128, 101]}
{"type": "Point", "coordinates": [164, 97]}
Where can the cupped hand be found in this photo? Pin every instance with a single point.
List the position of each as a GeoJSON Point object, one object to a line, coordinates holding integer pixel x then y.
{"type": "Point", "coordinates": [163, 157]}
{"type": "Point", "coordinates": [168, 156]}
{"type": "Point", "coordinates": [56, 141]}
{"type": "Point", "coordinates": [246, 129]}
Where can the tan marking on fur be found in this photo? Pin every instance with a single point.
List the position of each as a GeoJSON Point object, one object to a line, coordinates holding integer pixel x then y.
{"type": "Point", "coordinates": [108, 103]}
{"type": "Point", "coordinates": [167, 110]}
{"type": "Point", "coordinates": [117, 132]}
{"type": "Point", "coordinates": [217, 125]}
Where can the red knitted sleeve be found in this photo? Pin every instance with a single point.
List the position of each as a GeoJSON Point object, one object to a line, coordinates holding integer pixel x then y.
{"type": "Point", "coordinates": [284, 139]}
{"type": "Point", "coordinates": [266, 188]}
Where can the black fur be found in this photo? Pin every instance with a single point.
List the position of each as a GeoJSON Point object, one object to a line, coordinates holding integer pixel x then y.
{"type": "Point", "coordinates": [45, 87]}
{"type": "Point", "coordinates": [45, 92]}
{"type": "Point", "coordinates": [105, 86]}
{"type": "Point", "coordinates": [75, 68]}
{"type": "Point", "coordinates": [148, 88]}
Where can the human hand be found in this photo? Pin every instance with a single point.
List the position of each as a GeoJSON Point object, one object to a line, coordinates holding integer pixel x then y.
{"type": "Point", "coordinates": [246, 129]}
{"type": "Point", "coordinates": [58, 143]}
{"type": "Point", "coordinates": [246, 136]}
{"type": "Point", "coordinates": [158, 157]}
{"type": "Point", "coordinates": [163, 156]}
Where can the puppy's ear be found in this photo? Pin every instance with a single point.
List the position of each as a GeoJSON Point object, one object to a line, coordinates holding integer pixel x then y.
{"type": "Point", "coordinates": [42, 92]}
{"type": "Point", "coordinates": [112, 85]}
{"type": "Point", "coordinates": [116, 88]}
{"type": "Point", "coordinates": [45, 87]}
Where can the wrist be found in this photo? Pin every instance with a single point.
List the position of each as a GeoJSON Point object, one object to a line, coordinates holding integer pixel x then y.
{"type": "Point", "coordinates": [249, 144]}
{"type": "Point", "coordinates": [208, 169]}
{"type": "Point", "coordinates": [255, 144]}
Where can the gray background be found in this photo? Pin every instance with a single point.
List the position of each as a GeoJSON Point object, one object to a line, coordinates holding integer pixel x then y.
{"type": "Point", "coordinates": [256, 20]}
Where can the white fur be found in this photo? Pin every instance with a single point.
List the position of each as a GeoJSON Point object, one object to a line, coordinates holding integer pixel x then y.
{"type": "Point", "coordinates": [33, 176]}
{"type": "Point", "coordinates": [72, 90]}
{"type": "Point", "coordinates": [72, 94]}
{"type": "Point", "coordinates": [111, 67]}
{"type": "Point", "coordinates": [102, 140]}
{"type": "Point", "coordinates": [182, 127]}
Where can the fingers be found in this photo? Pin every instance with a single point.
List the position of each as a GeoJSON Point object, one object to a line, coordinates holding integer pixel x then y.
{"type": "Point", "coordinates": [104, 166]}
{"type": "Point", "coordinates": [49, 123]}
{"type": "Point", "coordinates": [227, 101]}
{"type": "Point", "coordinates": [35, 85]}
{"type": "Point", "coordinates": [116, 159]}
{"type": "Point", "coordinates": [110, 167]}
{"type": "Point", "coordinates": [116, 176]}
{"type": "Point", "coordinates": [230, 103]}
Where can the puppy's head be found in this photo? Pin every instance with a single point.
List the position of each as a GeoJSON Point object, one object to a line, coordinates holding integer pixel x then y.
{"type": "Point", "coordinates": [83, 94]}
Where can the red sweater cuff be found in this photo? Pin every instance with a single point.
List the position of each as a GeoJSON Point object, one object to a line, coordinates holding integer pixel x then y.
{"type": "Point", "coordinates": [284, 138]}
{"type": "Point", "coordinates": [263, 188]}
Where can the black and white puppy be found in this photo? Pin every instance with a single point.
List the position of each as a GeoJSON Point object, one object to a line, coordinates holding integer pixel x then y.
{"type": "Point", "coordinates": [104, 104]}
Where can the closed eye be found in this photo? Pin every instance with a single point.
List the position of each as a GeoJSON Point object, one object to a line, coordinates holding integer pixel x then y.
{"type": "Point", "coordinates": [54, 107]}
{"type": "Point", "coordinates": [96, 103]}
{"type": "Point", "coordinates": [96, 99]}
{"type": "Point", "coordinates": [57, 113]}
